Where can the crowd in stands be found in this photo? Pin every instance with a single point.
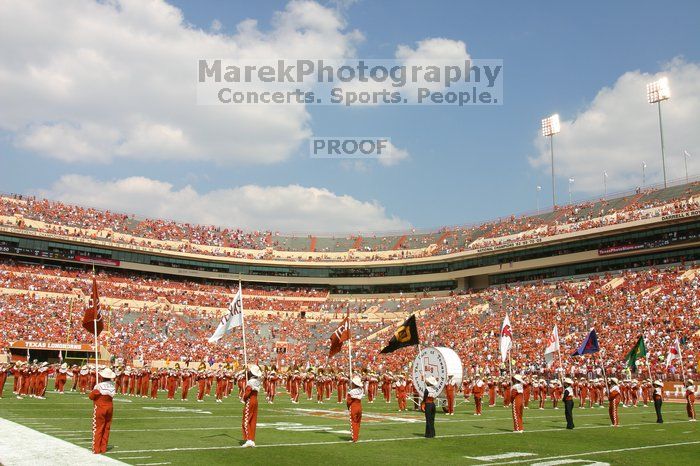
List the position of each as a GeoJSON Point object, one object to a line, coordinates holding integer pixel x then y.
{"type": "Point", "coordinates": [74, 221]}
{"type": "Point", "coordinates": [661, 304]}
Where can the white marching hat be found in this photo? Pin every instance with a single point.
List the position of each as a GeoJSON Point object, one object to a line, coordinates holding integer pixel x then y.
{"type": "Point", "coordinates": [614, 380]}
{"type": "Point", "coordinates": [255, 370]}
{"type": "Point", "coordinates": [356, 380]}
{"type": "Point", "coordinates": [519, 378]}
{"type": "Point", "coordinates": [569, 381]}
{"type": "Point", "coordinates": [658, 383]}
{"type": "Point", "coordinates": [107, 373]}
{"type": "Point", "coordinates": [430, 380]}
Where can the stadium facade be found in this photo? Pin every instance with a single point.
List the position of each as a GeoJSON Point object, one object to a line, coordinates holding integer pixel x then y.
{"type": "Point", "coordinates": [660, 235]}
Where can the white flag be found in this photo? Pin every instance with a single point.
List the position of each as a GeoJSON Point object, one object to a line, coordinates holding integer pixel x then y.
{"type": "Point", "coordinates": [673, 353]}
{"type": "Point", "coordinates": [552, 347]}
{"type": "Point", "coordinates": [233, 318]}
{"type": "Point", "coordinates": [506, 338]}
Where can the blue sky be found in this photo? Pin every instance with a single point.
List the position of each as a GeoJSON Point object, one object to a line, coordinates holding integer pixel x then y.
{"type": "Point", "coordinates": [465, 164]}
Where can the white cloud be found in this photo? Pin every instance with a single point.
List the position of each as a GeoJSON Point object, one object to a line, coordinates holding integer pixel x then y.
{"type": "Point", "coordinates": [619, 130]}
{"type": "Point", "coordinates": [92, 81]}
{"type": "Point", "coordinates": [290, 208]}
{"type": "Point", "coordinates": [216, 25]}
{"type": "Point", "coordinates": [393, 156]}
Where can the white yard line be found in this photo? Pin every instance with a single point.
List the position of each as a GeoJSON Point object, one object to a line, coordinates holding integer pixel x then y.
{"type": "Point", "coordinates": [380, 440]}
{"type": "Point", "coordinates": [37, 448]}
{"type": "Point", "coordinates": [602, 452]}
{"type": "Point", "coordinates": [502, 456]}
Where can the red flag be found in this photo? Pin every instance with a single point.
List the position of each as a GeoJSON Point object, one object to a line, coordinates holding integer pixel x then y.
{"type": "Point", "coordinates": [341, 335]}
{"type": "Point", "coordinates": [92, 312]}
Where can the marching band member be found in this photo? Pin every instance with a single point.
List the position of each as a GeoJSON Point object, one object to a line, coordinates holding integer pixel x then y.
{"type": "Point", "coordinates": [516, 402]}
{"type": "Point", "coordinates": [401, 392]}
{"type": "Point", "coordinates": [478, 392]}
{"type": "Point", "coordinates": [61, 378]}
{"type": "Point", "coordinates": [613, 402]}
{"type": "Point", "coordinates": [450, 389]}
{"type": "Point", "coordinates": [250, 411]}
{"type": "Point", "coordinates": [102, 396]}
{"type": "Point", "coordinates": [556, 393]}
{"type": "Point", "coordinates": [492, 392]}
{"type": "Point", "coordinates": [658, 400]}
{"type": "Point", "coordinates": [3, 376]}
{"type": "Point", "coordinates": [354, 404]}
{"type": "Point", "coordinates": [201, 381]}
{"type": "Point", "coordinates": [690, 400]}
{"type": "Point", "coordinates": [429, 395]}
{"type": "Point", "coordinates": [569, 403]}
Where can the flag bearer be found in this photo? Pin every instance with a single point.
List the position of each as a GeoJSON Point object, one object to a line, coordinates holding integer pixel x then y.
{"type": "Point", "coordinates": [429, 396]}
{"type": "Point", "coordinates": [250, 411]}
{"type": "Point", "coordinates": [614, 401]}
{"type": "Point", "coordinates": [658, 400]}
{"type": "Point", "coordinates": [569, 402]}
{"type": "Point", "coordinates": [102, 396]}
{"type": "Point", "coordinates": [354, 403]}
{"type": "Point", "coordinates": [516, 402]}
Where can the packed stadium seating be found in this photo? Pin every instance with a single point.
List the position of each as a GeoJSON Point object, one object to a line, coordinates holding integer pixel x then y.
{"type": "Point", "coordinates": [29, 213]}
{"type": "Point", "coordinates": [152, 318]}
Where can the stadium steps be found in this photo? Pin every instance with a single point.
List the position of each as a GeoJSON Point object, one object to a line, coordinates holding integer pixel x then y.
{"type": "Point", "coordinates": [689, 274]}
{"type": "Point", "coordinates": [399, 243]}
{"type": "Point", "coordinates": [612, 284]}
{"type": "Point", "coordinates": [358, 243]}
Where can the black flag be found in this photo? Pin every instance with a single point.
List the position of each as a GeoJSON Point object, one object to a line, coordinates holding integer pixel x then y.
{"type": "Point", "coordinates": [405, 335]}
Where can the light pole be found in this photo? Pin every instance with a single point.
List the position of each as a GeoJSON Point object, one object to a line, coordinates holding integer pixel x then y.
{"type": "Point", "coordinates": [657, 92]}
{"type": "Point", "coordinates": [537, 197]}
{"type": "Point", "coordinates": [605, 185]}
{"type": "Point", "coordinates": [644, 174]}
{"type": "Point", "coordinates": [686, 156]}
{"type": "Point", "coordinates": [550, 127]}
{"type": "Point", "coordinates": [571, 181]}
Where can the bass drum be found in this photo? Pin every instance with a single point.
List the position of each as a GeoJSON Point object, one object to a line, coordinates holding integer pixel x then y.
{"type": "Point", "coordinates": [439, 362]}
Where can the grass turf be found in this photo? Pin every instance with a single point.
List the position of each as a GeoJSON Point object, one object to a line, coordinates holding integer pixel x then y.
{"type": "Point", "coordinates": [146, 431]}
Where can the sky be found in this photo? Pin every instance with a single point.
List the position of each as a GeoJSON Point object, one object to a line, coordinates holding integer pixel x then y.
{"type": "Point", "coordinates": [98, 106]}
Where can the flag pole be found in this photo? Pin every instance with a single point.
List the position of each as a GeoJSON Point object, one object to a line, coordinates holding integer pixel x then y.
{"type": "Point", "coordinates": [349, 345]}
{"type": "Point", "coordinates": [245, 351]}
{"type": "Point", "coordinates": [561, 366]}
{"type": "Point", "coordinates": [680, 358]}
{"type": "Point", "coordinates": [94, 323]}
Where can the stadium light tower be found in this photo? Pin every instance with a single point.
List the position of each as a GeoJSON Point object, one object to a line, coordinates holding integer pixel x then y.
{"type": "Point", "coordinates": [605, 184]}
{"type": "Point", "coordinates": [644, 174]}
{"type": "Point", "coordinates": [571, 181]}
{"type": "Point", "coordinates": [550, 127]}
{"type": "Point", "coordinates": [537, 197]}
{"type": "Point", "coordinates": [686, 156]}
{"type": "Point", "coordinates": [657, 92]}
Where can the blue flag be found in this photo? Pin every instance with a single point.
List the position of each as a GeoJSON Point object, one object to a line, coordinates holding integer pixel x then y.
{"type": "Point", "coordinates": [589, 345]}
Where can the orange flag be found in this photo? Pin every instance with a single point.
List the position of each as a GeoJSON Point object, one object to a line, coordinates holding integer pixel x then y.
{"type": "Point", "coordinates": [341, 335]}
{"type": "Point", "coordinates": [92, 312]}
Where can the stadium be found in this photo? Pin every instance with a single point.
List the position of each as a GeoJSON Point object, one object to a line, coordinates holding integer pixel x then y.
{"type": "Point", "coordinates": [150, 325]}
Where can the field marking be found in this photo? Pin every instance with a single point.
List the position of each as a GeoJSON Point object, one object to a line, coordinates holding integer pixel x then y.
{"type": "Point", "coordinates": [502, 456]}
{"type": "Point", "coordinates": [150, 464]}
{"type": "Point", "coordinates": [336, 422]}
{"type": "Point", "coordinates": [369, 415]}
{"type": "Point", "coordinates": [379, 440]}
{"type": "Point", "coordinates": [603, 452]}
{"type": "Point", "coordinates": [35, 445]}
{"type": "Point", "coordinates": [134, 457]}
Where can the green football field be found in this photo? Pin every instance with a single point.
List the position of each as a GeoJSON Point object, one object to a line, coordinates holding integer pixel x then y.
{"type": "Point", "coordinates": [153, 432]}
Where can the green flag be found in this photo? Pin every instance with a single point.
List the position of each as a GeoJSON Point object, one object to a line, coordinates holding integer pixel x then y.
{"type": "Point", "coordinates": [639, 351]}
